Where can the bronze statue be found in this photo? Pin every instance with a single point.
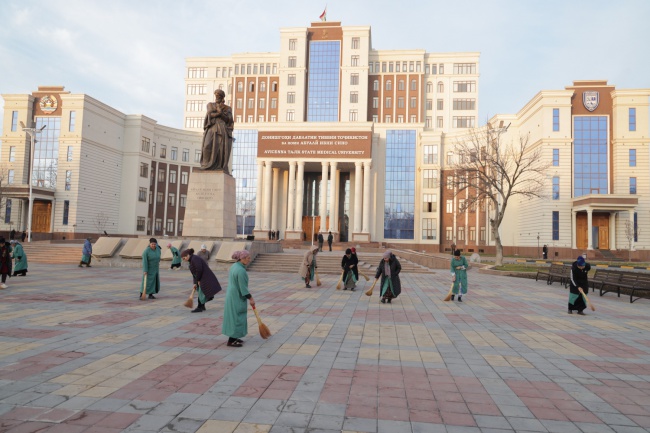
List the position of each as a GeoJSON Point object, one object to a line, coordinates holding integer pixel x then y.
{"type": "Point", "coordinates": [217, 134]}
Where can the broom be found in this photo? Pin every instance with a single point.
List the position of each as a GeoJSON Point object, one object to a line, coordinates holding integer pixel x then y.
{"type": "Point", "coordinates": [448, 297]}
{"type": "Point", "coordinates": [369, 291]}
{"type": "Point", "coordinates": [363, 275]}
{"type": "Point", "coordinates": [189, 303]}
{"type": "Point", "coordinates": [584, 295]}
{"type": "Point", "coordinates": [143, 297]}
{"type": "Point", "coordinates": [264, 330]}
{"type": "Point", "coordinates": [318, 283]}
{"type": "Point", "coordinates": [338, 285]}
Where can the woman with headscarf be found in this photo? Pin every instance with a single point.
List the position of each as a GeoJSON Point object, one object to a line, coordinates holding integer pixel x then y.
{"type": "Point", "coordinates": [20, 259]}
{"type": "Point", "coordinates": [204, 253]}
{"type": "Point", "coordinates": [176, 257]}
{"type": "Point", "coordinates": [205, 282]}
{"type": "Point", "coordinates": [235, 310]}
{"type": "Point", "coordinates": [579, 279]}
{"type": "Point", "coordinates": [151, 268]}
{"type": "Point", "coordinates": [86, 254]}
{"type": "Point", "coordinates": [389, 269]}
{"type": "Point", "coordinates": [458, 269]}
{"type": "Point", "coordinates": [349, 265]}
{"type": "Point", "coordinates": [308, 266]}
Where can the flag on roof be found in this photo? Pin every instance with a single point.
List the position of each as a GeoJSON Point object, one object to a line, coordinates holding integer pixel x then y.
{"type": "Point", "coordinates": [323, 16]}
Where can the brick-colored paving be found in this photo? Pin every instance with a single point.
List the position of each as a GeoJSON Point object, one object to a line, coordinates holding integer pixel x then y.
{"type": "Point", "coordinates": [79, 352]}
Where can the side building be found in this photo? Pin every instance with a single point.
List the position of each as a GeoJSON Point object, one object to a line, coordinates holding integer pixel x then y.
{"type": "Point", "coordinates": [334, 135]}
{"type": "Point", "coordinates": [95, 169]}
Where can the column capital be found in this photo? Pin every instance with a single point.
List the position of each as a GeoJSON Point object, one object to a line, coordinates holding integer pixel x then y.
{"type": "Point", "coordinates": [367, 164]}
{"type": "Point", "coordinates": [300, 163]}
{"type": "Point", "coordinates": [358, 163]}
{"type": "Point", "coordinates": [325, 163]}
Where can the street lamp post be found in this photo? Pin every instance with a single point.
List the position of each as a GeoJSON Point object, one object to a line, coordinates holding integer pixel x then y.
{"type": "Point", "coordinates": [32, 134]}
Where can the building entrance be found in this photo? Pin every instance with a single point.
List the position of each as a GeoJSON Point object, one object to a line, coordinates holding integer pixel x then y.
{"type": "Point", "coordinates": [599, 231]}
{"type": "Point", "coordinates": [41, 215]}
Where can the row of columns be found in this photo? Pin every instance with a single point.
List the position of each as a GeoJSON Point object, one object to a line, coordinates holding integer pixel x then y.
{"type": "Point", "coordinates": [267, 197]}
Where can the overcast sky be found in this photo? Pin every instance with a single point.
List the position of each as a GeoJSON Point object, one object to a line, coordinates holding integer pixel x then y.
{"type": "Point", "coordinates": [131, 54]}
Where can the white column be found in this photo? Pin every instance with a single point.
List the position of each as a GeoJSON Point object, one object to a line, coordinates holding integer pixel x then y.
{"type": "Point", "coordinates": [258, 195]}
{"type": "Point", "coordinates": [274, 199]}
{"type": "Point", "coordinates": [358, 195]}
{"type": "Point", "coordinates": [573, 230]}
{"type": "Point", "coordinates": [612, 230]}
{"type": "Point", "coordinates": [323, 197]}
{"type": "Point", "coordinates": [332, 227]}
{"type": "Point", "coordinates": [268, 172]}
{"type": "Point", "coordinates": [590, 239]}
{"type": "Point", "coordinates": [631, 213]}
{"type": "Point", "coordinates": [292, 194]}
{"type": "Point", "coordinates": [337, 186]}
{"type": "Point", "coordinates": [366, 197]}
{"type": "Point", "coordinates": [300, 182]}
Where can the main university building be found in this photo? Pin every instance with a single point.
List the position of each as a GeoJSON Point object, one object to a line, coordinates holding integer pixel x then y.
{"type": "Point", "coordinates": [333, 135]}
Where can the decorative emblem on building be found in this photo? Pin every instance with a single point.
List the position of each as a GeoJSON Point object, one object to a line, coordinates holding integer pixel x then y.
{"type": "Point", "coordinates": [590, 100]}
{"type": "Point", "coordinates": [48, 104]}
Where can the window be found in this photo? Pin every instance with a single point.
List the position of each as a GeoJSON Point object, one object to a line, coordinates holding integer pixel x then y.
{"type": "Point", "coordinates": [73, 120]}
{"type": "Point", "coordinates": [633, 185]}
{"type": "Point", "coordinates": [186, 155]}
{"type": "Point", "coordinates": [263, 86]}
{"type": "Point", "coordinates": [375, 85]}
{"type": "Point", "coordinates": [632, 119]}
{"type": "Point", "coordinates": [172, 176]}
{"type": "Point", "coordinates": [389, 102]}
{"type": "Point", "coordinates": [556, 119]}
{"type": "Point", "coordinates": [140, 224]}
{"type": "Point", "coordinates": [464, 86]}
{"type": "Point", "coordinates": [171, 199]}
{"type": "Point", "coordinates": [292, 44]}
{"type": "Point", "coordinates": [251, 103]}
{"type": "Point", "coordinates": [158, 225]}
{"type": "Point", "coordinates": [429, 203]}
{"type": "Point", "coordinates": [290, 115]}
{"type": "Point", "coordinates": [414, 84]}
{"type": "Point", "coordinates": [556, 157]}
{"type": "Point", "coordinates": [354, 97]}
{"type": "Point", "coordinates": [375, 118]}
{"type": "Point", "coordinates": [429, 229]}
{"type": "Point", "coordinates": [163, 151]}
{"type": "Point", "coordinates": [354, 61]}
{"type": "Point", "coordinates": [353, 115]}
{"type": "Point", "coordinates": [428, 122]}
{"type": "Point", "coordinates": [354, 79]}
{"type": "Point", "coordinates": [463, 121]}
{"type": "Point", "coordinates": [196, 72]}
{"type": "Point", "coordinates": [400, 118]}
{"type": "Point", "coordinates": [291, 79]}
{"type": "Point", "coordinates": [414, 102]}
{"type": "Point", "coordinates": [440, 103]}
{"type": "Point", "coordinates": [389, 85]}
{"type": "Point", "coordinates": [14, 121]}
{"type": "Point", "coordinates": [239, 103]}
{"type": "Point", "coordinates": [8, 211]}
{"type": "Point", "coordinates": [472, 234]}
{"type": "Point", "coordinates": [441, 68]}
{"type": "Point", "coordinates": [142, 194]}
{"type": "Point", "coordinates": [12, 154]}
{"type": "Point", "coordinates": [68, 180]}
{"type": "Point", "coordinates": [375, 102]}
{"type": "Point", "coordinates": [590, 155]}
{"type": "Point", "coordinates": [441, 87]}
{"type": "Point", "coordinates": [196, 89]}
{"type": "Point", "coordinates": [262, 103]}
{"type": "Point", "coordinates": [145, 145]}
{"type": "Point", "coordinates": [185, 176]}
{"type": "Point", "coordinates": [194, 105]}
{"type": "Point", "coordinates": [10, 177]}
{"type": "Point", "coordinates": [197, 155]}
{"type": "Point", "coordinates": [193, 122]}
{"type": "Point", "coordinates": [450, 161]}
{"type": "Point", "coordinates": [632, 157]}
{"type": "Point", "coordinates": [274, 86]}
{"type": "Point", "coordinates": [400, 85]}
{"type": "Point", "coordinates": [439, 122]}
{"type": "Point", "coordinates": [293, 61]}
{"type": "Point", "coordinates": [430, 154]}
{"type": "Point", "coordinates": [414, 118]}
{"type": "Point", "coordinates": [159, 197]}
{"type": "Point", "coordinates": [291, 97]}
{"type": "Point", "coordinates": [400, 102]}
{"type": "Point", "coordinates": [464, 68]}
{"type": "Point", "coordinates": [182, 201]}
{"type": "Point", "coordinates": [556, 188]}
{"type": "Point", "coordinates": [482, 234]}
{"type": "Point", "coordinates": [429, 87]}
{"type": "Point", "coordinates": [274, 103]}
{"type": "Point", "coordinates": [464, 104]}
{"type": "Point", "coordinates": [401, 148]}
{"type": "Point", "coordinates": [355, 43]}
{"type": "Point", "coordinates": [449, 233]}
{"type": "Point", "coordinates": [240, 86]}
{"type": "Point", "coordinates": [170, 226]}
{"type": "Point", "coordinates": [461, 233]}
{"type": "Point", "coordinates": [449, 206]}
{"type": "Point", "coordinates": [174, 153]}
{"type": "Point", "coordinates": [556, 225]}
{"type": "Point", "coordinates": [161, 175]}
{"type": "Point", "coordinates": [66, 211]}
{"type": "Point", "coordinates": [144, 169]}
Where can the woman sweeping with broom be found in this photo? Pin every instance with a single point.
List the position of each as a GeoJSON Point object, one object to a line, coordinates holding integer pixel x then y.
{"type": "Point", "coordinates": [459, 268]}
{"type": "Point", "coordinates": [235, 317]}
{"type": "Point", "coordinates": [579, 280]}
{"type": "Point", "coordinates": [205, 282]}
{"type": "Point", "coordinates": [389, 269]}
{"type": "Point", "coordinates": [308, 266]}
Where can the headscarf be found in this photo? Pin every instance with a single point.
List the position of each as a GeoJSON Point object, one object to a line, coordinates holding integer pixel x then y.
{"type": "Point", "coordinates": [457, 253]}
{"type": "Point", "coordinates": [353, 250]}
{"type": "Point", "coordinates": [386, 254]}
{"type": "Point", "coordinates": [203, 247]}
{"type": "Point", "coordinates": [239, 255]}
{"type": "Point", "coordinates": [187, 252]}
{"type": "Point", "coordinates": [169, 245]}
{"type": "Point", "coordinates": [314, 249]}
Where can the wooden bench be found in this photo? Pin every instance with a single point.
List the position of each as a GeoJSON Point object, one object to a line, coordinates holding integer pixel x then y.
{"type": "Point", "coordinates": [561, 273]}
{"type": "Point", "coordinates": [602, 277]}
{"type": "Point", "coordinates": [642, 284]}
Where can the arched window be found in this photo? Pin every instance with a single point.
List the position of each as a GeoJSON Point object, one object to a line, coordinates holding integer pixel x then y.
{"type": "Point", "coordinates": [251, 86]}
{"type": "Point", "coordinates": [262, 86]}
{"type": "Point", "coordinates": [429, 87]}
{"type": "Point", "coordinates": [441, 87]}
{"type": "Point", "coordinates": [274, 86]}
{"type": "Point", "coordinates": [240, 87]}
{"type": "Point", "coordinates": [389, 85]}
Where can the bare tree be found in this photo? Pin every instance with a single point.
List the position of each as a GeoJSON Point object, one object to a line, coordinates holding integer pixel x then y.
{"type": "Point", "coordinates": [487, 169]}
{"type": "Point", "coordinates": [631, 235]}
{"type": "Point", "coordinates": [100, 221]}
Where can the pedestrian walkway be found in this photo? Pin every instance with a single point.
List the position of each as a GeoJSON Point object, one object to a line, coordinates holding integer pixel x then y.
{"type": "Point", "coordinates": [79, 352]}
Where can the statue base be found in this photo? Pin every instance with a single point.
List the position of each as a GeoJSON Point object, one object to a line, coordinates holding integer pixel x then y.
{"type": "Point", "coordinates": [211, 208]}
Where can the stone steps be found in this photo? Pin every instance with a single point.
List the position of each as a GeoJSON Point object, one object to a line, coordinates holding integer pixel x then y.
{"type": "Point", "coordinates": [38, 252]}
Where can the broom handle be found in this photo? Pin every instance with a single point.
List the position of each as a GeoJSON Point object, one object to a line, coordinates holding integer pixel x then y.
{"type": "Point", "coordinates": [257, 315]}
{"type": "Point", "coordinates": [144, 286]}
{"type": "Point", "coordinates": [591, 307]}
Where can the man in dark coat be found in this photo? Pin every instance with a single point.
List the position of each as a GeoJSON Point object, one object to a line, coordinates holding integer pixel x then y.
{"type": "Point", "coordinates": [579, 279]}
{"type": "Point", "coordinates": [320, 242]}
{"type": "Point", "coordinates": [389, 269]}
{"type": "Point", "coordinates": [205, 282]}
{"type": "Point", "coordinates": [330, 238]}
{"type": "Point", "coordinates": [545, 252]}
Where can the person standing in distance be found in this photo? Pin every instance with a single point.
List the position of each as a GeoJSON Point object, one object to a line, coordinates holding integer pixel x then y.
{"type": "Point", "coordinates": [579, 279]}
{"type": "Point", "coordinates": [330, 239]}
{"type": "Point", "coordinates": [151, 269]}
{"type": "Point", "coordinates": [459, 268]}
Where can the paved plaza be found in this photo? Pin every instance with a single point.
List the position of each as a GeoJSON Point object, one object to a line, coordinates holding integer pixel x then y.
{"type": "Point", "coordinates": [79, 352]}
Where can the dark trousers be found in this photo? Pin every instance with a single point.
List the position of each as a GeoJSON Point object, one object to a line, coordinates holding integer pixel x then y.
{"type": "Point", "coordinates": [330, 245]}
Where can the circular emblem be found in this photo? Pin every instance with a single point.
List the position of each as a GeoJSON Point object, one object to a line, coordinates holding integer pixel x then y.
{"type": "Point", "coordinates": [48, 104]}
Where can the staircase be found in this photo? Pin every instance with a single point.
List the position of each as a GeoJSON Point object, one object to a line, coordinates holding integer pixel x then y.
{"type": "Point", "coordinates": [328, 263]}
{"type": "Point", "coordinates": [608, 255]}
{"type": "Point", "coordinates": [43, 252]}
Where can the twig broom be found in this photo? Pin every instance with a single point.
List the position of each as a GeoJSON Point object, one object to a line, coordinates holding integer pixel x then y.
{"type": "Point", "coordinates": [265, 332]}
{"type": "Point", "coordinates": [369, 291]}
{"type": "Point", "coordinates": [448, 297]}
{"type": "Point", "coordinates": [318, 283]}
{"type": "Point", "coordinates": [363, 275]}
{"type": "Point", "coordinates": [338, 285]}
{"type": "Point", "coordinates": [189, 303]}
{"type": "Point", "coordinates": [143, 296]}
{"type": "Point", "coordinates": [584, 295]}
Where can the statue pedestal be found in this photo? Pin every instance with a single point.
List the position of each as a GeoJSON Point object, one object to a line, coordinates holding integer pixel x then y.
{"type": "Point", "coordinates": [211, 207]}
